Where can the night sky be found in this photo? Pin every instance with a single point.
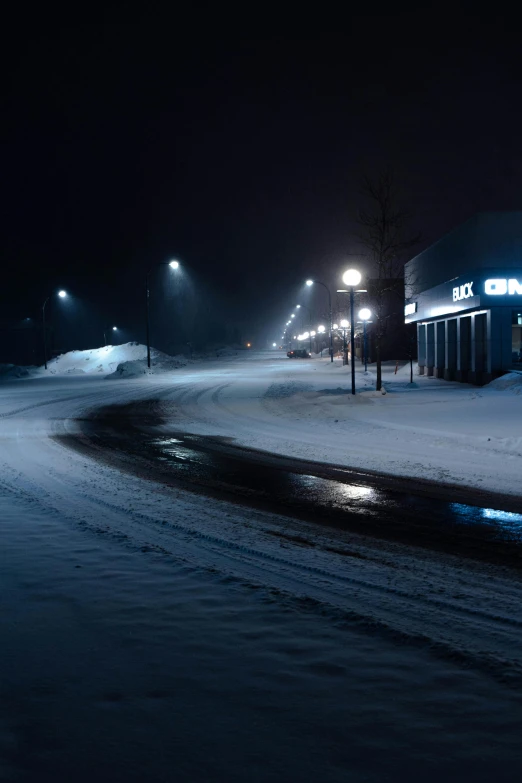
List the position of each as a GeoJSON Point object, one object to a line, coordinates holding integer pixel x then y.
{"type": "Point", "coordinates": [127, 145]}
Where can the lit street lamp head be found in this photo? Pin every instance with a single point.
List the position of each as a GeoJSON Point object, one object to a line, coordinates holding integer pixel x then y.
{"type": "Point", "coordinates": [309, 282]}
{"type": "Point", "coordinates": [293, 315]}
{"type": "Point", "coordinates": [351, 277]}
{"type": "Point", "coordinates": [114, 328]}
{"type": "Point", "coordinates": [321, 329]}
{"type": "Point", "coordinates": [365, 314]}
{"type": "Point", "coordinates": [62, 294]}
{"type": "Point", "coordinates": [297, 307]}
{"type": "Point", "coordinates": [344, 323]}
{"type": "Point", "coordinates": [174, 264]}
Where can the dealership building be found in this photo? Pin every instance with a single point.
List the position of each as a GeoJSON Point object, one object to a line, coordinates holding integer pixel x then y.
{"type": "Point", "coordinates": [465, 295]}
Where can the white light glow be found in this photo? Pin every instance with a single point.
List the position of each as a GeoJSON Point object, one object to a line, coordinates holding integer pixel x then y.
{"type": "Point", "coordinates": [114, 328]}
{"type": "Point", "coordinates": [174, 264]}
{"type": "Point", "coordinates": [335, 326]}
{"type": "Point", "coordinates": [274, 345]}
{"type": "Point", "coordinates": [297, 307]}
{"type": "Point", "coordinates": [351, 277]}
{"type": "Point", "coordinates": [321, 329]}
{"type": "Point", "coordinates": [62, 294]}
{"type": "Point", "coordinates": [344, 323]}
{"type": "Point", "coordinates": [313, 334]}
{"type": "Point", "coordinates": [309, 282]}
{"type": "Point", "coordinates": [293, 315]}
{"type": "Point", "coordinates": [365, 314]}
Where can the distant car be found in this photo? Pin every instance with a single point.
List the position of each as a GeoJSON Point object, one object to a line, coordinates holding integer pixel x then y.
{"type": "Point", "coordinates": [299, 353]}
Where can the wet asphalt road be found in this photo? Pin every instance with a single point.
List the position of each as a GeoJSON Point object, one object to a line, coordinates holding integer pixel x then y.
{"type": "Point", "coordinates": [440, 518]}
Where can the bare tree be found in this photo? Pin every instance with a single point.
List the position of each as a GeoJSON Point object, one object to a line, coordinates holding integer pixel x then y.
{"type": "Point", "coordinates": [384, 233]}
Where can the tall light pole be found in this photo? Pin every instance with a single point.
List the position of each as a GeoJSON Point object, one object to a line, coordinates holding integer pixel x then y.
{"type": "Point", "coordinates": [351, 278]}
{"type": "Point", "coordinates": [173, 265]}
{"type": "Point", "coordinates": [311, 282]}
{"type": "Point", "coordinates": [62, 294]}
{"type": "Point", "coordinates": [365, 314]}
{"type": "Point", "coordinates": [113, 329]}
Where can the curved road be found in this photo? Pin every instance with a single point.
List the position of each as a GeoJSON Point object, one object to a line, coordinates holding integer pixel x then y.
{"type": "Point", "coordinates": [138, 543]}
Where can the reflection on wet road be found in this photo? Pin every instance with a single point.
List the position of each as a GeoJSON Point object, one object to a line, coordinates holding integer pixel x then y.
{"type": "Point", "coordinates": [326, 495]}
{"type": "Point", "coordinates": [339, 502]}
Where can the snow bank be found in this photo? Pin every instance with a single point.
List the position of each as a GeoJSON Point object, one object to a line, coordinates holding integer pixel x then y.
{"type": "Point", "coordinates": [137, 367]}
{"type": "Point", "coordinates": [99, 361]}
{"type": "Point", "coordinates": [128, 360]}
{"type": "Point", "coordinates": [511, 382]}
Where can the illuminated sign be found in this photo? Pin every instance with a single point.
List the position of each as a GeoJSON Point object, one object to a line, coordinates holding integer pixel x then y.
{"type": "Point", "coordinates": [463, 292]}
{"type": "Point", "coordinates": [500, 286]}
{"type": "Point", "coordinates": [410, 308]}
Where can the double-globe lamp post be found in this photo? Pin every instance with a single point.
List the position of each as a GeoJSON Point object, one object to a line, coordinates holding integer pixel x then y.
{"type": "Point", "coordinates": [352, 278]}
{"type": "Point", "coordinates": [311, 282]}
{"type": "Point", "coordinates": [173, 265]}
{"type": "Point", "coordinates": [62, 294]}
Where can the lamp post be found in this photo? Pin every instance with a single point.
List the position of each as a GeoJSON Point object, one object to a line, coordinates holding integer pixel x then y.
{"type": "Point", "coordinates": [365, 314]}
{"type": "Point", "coordinates": [62, 294]}
{"type": "Point", "coordinates": [311, 282]}
{"type": "Point", "coordinates": [173, 265]}
{"type": "Point", "coordinates": [351, 278]}
{"type": "Point", "coordinates": [113, 329]}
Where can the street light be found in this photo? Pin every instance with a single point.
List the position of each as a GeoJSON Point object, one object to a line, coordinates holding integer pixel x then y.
{"type": "Point", "coordinates": [351, 278]}
{"type": "Point", "coordinates": [365, 314]}
{"type": "Point", "coordinates": [62, 294]}
{"type": "Point", "coordinates": [173, 265]}
{"type": "Point", "coordinates": [113, 329]}
{"type": "Point", "coordinates": [311, 282]}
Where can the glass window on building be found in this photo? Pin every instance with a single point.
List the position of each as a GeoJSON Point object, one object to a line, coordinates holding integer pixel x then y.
{"type": "Point", "coordinates": [516, 338]}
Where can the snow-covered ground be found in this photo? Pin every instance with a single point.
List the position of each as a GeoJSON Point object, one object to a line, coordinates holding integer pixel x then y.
{"type": "Point", "coordinates": [431, 429]}
{"type": "Point", "coordinates": [152, 634]}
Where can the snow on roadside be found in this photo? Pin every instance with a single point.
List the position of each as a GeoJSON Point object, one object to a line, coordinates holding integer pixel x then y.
{"type": "Point", "coordinates": [512, 382]}
{"type": "Point", "coordinates": [128, 360]}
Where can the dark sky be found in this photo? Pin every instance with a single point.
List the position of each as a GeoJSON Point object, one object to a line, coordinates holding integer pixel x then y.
{"type": "Point", "coordinates": [125, 145]}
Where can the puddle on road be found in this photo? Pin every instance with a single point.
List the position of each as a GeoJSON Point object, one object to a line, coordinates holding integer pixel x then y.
{"type": "Point", "coordinates": [333, 500]}
{"type": "Point", "coordinates": [343, 498]}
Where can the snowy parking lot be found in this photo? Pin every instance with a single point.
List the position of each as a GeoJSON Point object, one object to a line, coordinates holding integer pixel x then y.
{"type": "Point", "coordinates": [149, 633]}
